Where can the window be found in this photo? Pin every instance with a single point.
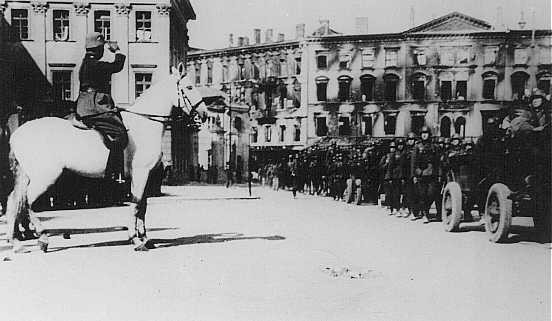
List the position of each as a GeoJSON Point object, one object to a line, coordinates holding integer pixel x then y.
{"type": "Point", "coordinates": [298, 65]}
{"type": "Point", "coordinates": [61, 25]}
{"type": "Point", "coordinates": [418, 87]}
{"type": "Point", "coordinates": [225, 77]}
{"type": "Point", "coordinates": [446, 90]}
{"type": "Point", "coordinates": [344, 126]}
{"type": "Point", "coordinates": [102, 23]}
{"type": "Point", "coordinates": [283, 66]}
{"type": "Point", "coordinates": [417, 122]}
{"type": "Point", "coordinates": [321, 126]}
{"type": "Point", "coordinates": [344, 61]}
{"type": "Point", "coordinates": [238, 123]}
{"type": "Point", "coordinates": [445, 127]}
{"type": "Point", "coordinates": [490, 55]}
{"type": "Point", "coordinates": [519, 83]}
{"type": "Point", "coordinates": [241, 70]}
{"type": "Point", "coordinates": [197, 73]}
{"type": "Point", "coordinates": [209, 72]}
{"type": "Point", "coordinates": [283, 95]}
{"type": "Point", "coordinates": [282, 133]}
{"type": "Point", "coordinates": [390, 91]}
{"type": "Point", "coordinates": [489, 88]}
{"type": "Point", "coordinates": [520, 56]}
{"type": "Point", "coordinates": [268, 133]}
{"type": "Point", "coordinates": [367, 88]}
{"type": "Point", "coordinates": [254, 135]}
{"type": "Point", "coordinates": [142, 82]}
{"type": "Point", "coordinates": [143, 25]}
{"type": "Point", "coordinates": [322, 61]}
{"type": "Point", "coordinates": [543, 84]}
{"type": "Point", "coordinates": [322, 88]}
{"type": "Point", "coordinates": [367, 126]}
{"type": "Point", "coordinates": [460, 126]}
{"type": "Point", "coordinates": [461, 89]}
{"type": "Point", "coordinates": [368, 57]}
{"type": "Point", "coordinates": [61, 83]}
{"type": "Point", "coordinates": [20, 23]}
{"type": "Point", "coordinates": [420, 56]}
{"type": "Point", "coordinates": [391, 57]}
{"type": "Point", "coordinates": [389, 124]}
{"type": "Point", "coordinates": [297, 133]}
{"type": "Point", "coordinates": [344, 88]}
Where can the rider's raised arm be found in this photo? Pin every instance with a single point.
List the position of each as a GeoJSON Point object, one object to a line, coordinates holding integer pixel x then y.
{"type": "Point", "coordinates": [115, 66]}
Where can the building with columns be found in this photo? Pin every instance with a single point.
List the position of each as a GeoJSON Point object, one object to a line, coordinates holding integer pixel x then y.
{"type": "Point", "coordinates": [451, 74]}
{"type": "Point", "coordinates": [42, 46]}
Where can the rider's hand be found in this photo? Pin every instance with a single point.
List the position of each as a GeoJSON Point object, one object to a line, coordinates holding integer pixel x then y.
{"type": "Point", "coordinates": [113, 47]}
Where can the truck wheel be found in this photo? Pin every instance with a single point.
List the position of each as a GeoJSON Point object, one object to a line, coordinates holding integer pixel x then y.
{"type": "Point", "coordinates": [498, 213]}
{"type": "Point", "coordinates": [451, 209]}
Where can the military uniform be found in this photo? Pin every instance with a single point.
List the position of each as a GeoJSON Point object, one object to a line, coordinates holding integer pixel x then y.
{"type": "Point", "coordinates": [425, 165]}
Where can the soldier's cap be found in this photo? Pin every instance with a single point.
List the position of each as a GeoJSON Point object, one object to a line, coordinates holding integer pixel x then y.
{"type": "Point", "coordinates": [425, 129]}
{"type": "Point", "coordinates": [400, 141]}
{"type": "Point", "coordinates": [537, 94]}
{"type": "Point", "coordinates": [392, 144]}
{"type": "Point", "coordinates": [94, 39]}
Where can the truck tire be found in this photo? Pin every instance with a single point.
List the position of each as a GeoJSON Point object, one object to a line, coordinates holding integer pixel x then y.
{"type": "Point", "coordinates": [451, 207]}
{"type": "Point", "coordinates": [498, 213]}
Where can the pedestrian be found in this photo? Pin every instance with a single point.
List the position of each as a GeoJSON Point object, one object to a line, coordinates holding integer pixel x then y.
{"type": "Point", "coordinates": [229, 175]}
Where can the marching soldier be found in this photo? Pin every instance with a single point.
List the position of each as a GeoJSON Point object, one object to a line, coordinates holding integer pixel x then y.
{"type": "Point", "coordinates": [410, 193]}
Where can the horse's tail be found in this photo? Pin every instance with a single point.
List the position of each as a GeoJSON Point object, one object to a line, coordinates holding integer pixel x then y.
{"type": "Point", "coordinates": [17, 202]}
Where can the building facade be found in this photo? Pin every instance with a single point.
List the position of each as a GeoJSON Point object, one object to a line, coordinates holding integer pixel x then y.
{"type": "Point", "coordinates": [42, 46]}
{"type": "Point", "coordinates": [451, 74]}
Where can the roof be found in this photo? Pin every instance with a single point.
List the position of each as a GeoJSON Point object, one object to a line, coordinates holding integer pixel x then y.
{"type": "Point", "coordinates": [184, 9]}
{"type": "Point", "coordinates": [322, 32]}
{"type": "Point", "coordinates": [453, 22]}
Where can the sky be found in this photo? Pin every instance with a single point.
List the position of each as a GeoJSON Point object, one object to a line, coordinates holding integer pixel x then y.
{"type": "Point", "coordinates": [218, 18]}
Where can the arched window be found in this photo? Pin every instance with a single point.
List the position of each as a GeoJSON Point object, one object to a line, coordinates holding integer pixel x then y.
{"type": "Point", "coordinates": [445, 127]}
{"type": "Point", "coordinates": [367, 84]}
{"type": "Point", "coordinates": [460, 126]}
{"type": "Point", "coordinates": [344, 93]}
{"type": "Point", "coordinates": [519, 84]}
{"type": "Point", "coordinates": [391, 86]}
{"type": "Point", "coordinates": [322, 88]}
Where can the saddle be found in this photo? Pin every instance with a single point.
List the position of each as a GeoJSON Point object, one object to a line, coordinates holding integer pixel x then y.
{"type": "Point", "coordinates": [72, 118]}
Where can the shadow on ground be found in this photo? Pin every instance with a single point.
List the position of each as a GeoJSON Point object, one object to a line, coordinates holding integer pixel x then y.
{"type": "Point", "coordinates": [163, 243]}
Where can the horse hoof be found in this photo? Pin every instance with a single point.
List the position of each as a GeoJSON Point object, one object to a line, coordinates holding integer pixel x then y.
{"type": "Point", "coordinates": [43, 246]}
{"type": "Point", "coordinates": [141, 248]}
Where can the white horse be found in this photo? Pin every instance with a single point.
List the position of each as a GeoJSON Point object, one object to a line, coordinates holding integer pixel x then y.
{"type": "Point", "coordinates": [43, 148]}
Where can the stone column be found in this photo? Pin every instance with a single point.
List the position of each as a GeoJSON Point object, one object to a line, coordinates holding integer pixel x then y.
{"type": "Point", "coordinates": [120, 87]}
{"type": "Point", "coordinates": [161, 34]}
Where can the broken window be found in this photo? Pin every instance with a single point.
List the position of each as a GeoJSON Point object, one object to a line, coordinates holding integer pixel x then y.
{"type": "Point", "coordinates": [543, 83]}
{"type": "Point", "coordinates": [390, 92]}
{"type": "Point", "coordinates": [418, 87]}
{"type": "Point", "coordinates": [461, 89]}
{"type": "Point", "coordinates": [344, 88]}
{"type": "Point", "coordinates": [445, 127]}
{"type": "Point", "coordinates": [389, 124]}
{"type": "Point", "coordinates": [322, 88]}
{"type": "Point", "coordinates": [321, 126]}
{"type": "Point", "coordinates": [417, 122]}
{"type": "Point", "coordinates": [519, 84]}
{"type": "Point", "coordinates": [368, 57]}
{"type": "Point", "coordinates": [489, 88]}
{"type": "Point", "coordinates": [367, 125]}
{"type": "Point", "coordinates": [344, 61]}
{"type": "Point", "coordinates": [297, 132]}
{"type": "Point", "coordinates": [391, 57]}
{"type": "Point", "coordinates": [344, 126]}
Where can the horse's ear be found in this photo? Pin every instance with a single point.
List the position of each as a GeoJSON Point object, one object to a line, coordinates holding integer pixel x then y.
{"type": "Point", "coordinates": [181, 69]}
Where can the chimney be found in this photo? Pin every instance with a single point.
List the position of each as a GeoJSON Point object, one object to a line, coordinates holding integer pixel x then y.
{"type": "Point", "coordinates": [281, 37]}
{"type": "Point", "coordinates": [246, 41]}
{"type": "Point", "coordinates": [412, 17]}
{"type": "Point", "coordinates": [240, 41]}
{"type": "Point", "coordinates": [300, 31]}
{"type": "Point", "coordinates": [268, 35]}
{"type": "Point", "coordinates": [499, 25]}
{"type": "Point", "coordinates": [361, 25]}
{"type": "Point", "coordinates": [522, 21]}
{"type": "Point", "coordinates": [325, 24]}
{"type": "Point", "coordinates": [231, 40]}
{"type": "Point", "coordinates": [257, 36]}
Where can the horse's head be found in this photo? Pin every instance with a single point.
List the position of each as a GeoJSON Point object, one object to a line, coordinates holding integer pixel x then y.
{"type": "Point", "coordinates": [189, 99]}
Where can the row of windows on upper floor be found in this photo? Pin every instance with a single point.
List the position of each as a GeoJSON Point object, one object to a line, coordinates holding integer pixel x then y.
{"type": "Point", "coordinates": [61, 25]}
{"type": "Point", "coordinates": [282, 134]}
{"type": "Point", "coordinates": [62, 84]}
{"type": "Point", "coordinates": [242, 70]}
{"type": "Point", "coordinates": [447, 56]}
{"type": "Point", "coordinates": [449, 88]}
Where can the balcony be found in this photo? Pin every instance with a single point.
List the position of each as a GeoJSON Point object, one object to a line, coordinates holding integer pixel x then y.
{"type": "Point", "coordinates": [455, 105]}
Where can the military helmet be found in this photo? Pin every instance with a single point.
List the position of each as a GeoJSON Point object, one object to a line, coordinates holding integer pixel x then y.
{"type": "Point", "coordinates": [441, 140]}
{"type": "Point", "coordinates": [411, 135]}
{"type": "Point", "coordinates": [93, 40]}
{"type": "Point", "coordinates": [400, 141]}
{"type": "Point", "coordinates": [425, 129]}
{"type": "Point", "coordinates": [392, 144]}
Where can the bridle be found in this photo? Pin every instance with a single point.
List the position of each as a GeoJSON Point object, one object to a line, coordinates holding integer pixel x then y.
{"type": "Point", "coordinates": [192, 114]}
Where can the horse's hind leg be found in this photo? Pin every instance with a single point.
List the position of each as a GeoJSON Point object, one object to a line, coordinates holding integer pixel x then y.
{"type": "Point", "coordinates": [36, 188]}
{"type": "Point", "coordinates": [137, 224]}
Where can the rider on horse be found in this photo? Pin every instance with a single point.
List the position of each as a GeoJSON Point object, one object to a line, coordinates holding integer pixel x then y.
{"type": "Point", "coordinates": [95, 107]}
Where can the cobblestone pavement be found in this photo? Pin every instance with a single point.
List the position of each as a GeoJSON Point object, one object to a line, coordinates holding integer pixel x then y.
{"type": "Point", "coordinates": [221, 255]}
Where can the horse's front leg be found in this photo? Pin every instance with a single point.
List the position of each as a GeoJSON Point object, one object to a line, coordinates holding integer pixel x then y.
{"type": "Point", "coordinates": [137, 223]}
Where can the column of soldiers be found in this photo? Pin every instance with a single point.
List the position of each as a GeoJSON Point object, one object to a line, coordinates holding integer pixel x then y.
{"type": "Point", "coordinates": [408, 172]}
